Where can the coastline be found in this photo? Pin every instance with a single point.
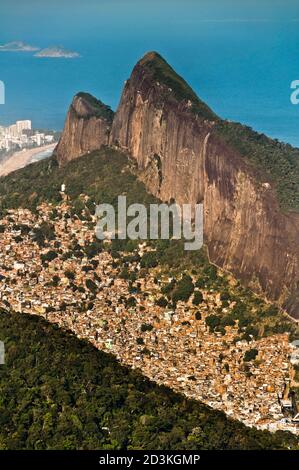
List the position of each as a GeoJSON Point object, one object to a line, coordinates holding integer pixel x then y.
{"type": "Point", "coordinates": [22, 158]}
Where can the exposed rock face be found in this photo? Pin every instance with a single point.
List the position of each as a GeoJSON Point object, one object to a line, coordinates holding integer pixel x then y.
{"type": "Point", "coordinates": [86, 128]}
{"type": "Point", "coordinates": [180, 155]}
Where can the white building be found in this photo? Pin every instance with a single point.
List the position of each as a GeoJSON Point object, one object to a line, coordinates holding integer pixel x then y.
{"type": "Point", "coordinates": [23, 125]}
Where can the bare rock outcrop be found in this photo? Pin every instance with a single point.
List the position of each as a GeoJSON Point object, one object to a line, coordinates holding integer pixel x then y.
{"type": "Point", "coordinates": [86, 128]}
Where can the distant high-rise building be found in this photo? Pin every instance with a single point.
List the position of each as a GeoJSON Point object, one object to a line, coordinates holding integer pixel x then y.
{"type": "Point", "coordinates": [23, 125]}
{"type": "Point", "coordinates": [39, 138]}
{"type": "Point", "coordinates": [13, 130]}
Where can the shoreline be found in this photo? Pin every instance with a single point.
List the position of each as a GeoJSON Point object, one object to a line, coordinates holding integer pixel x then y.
{"type": "Point", "coordinates": [22, 158]}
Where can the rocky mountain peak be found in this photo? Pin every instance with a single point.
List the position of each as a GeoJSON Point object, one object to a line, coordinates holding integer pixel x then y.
{"type": "Point", "coordinates": [87, 128]}
{"type": "Point", "coordinates": [154, 69]}
{"type": "Point", "coordinates": [86, 106]}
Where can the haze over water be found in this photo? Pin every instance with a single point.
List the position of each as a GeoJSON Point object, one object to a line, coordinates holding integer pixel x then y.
{"type": "Point", "coordinates": [239, 56]}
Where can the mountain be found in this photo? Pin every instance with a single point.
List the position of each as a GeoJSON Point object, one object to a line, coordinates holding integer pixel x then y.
{"type": "Point", "coordinates": [185, 152]}
{"type": "Point", "coordinates": [103, 175]}
{"type": "Point", "coordinates": [57, 52]}
{"type": "Point", "coordinates": [86, 128]}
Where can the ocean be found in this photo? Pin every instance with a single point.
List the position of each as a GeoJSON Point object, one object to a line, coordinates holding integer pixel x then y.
{"type": "Point", "coordinates": [240, 60]}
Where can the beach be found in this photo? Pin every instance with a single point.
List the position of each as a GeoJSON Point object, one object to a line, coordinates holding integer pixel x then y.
{"type": "Point", "coordinates": [24, 157]}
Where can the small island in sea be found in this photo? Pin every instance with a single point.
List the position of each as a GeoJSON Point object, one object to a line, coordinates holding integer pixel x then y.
{"type": "Point", "coordinates": [18, 46]}
{"type": "Point", "coordinates": [57, 52]}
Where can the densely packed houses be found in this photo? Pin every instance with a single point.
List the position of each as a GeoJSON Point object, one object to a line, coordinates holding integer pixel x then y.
{"type": "Point", "coordinates": [173, 347]}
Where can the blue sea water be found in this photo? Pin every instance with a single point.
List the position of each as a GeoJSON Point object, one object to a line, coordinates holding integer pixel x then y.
{"type": "Point", "coordinates": [240, 57]}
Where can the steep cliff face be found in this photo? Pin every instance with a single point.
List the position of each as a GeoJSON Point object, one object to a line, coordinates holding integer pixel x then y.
{"type": "Point", "coordinates": [181, 155]}
{"type": "Point", "coordinates": [86, 128]}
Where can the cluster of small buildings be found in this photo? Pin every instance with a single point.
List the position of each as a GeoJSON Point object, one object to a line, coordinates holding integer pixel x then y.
{"type": "Point", "coordinates": [21, 135]}
{"type": "Point", "coordinates": [173, 347]}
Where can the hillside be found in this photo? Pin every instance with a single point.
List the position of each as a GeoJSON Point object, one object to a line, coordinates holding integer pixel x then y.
{"type": "Point", "coordinates": [87, 127]}
{"type": "Point", "coordinates": [233, 321]}
{"type": "Point", "coordinates": [95, 175]}
{"type": "Point", "coordinates": [58, 392]}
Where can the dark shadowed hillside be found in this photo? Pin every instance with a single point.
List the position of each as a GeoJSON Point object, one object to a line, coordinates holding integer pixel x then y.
{"type": "Point", "coordinates": [58, 392]}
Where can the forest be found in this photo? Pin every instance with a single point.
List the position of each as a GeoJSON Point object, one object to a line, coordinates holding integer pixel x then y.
{"type": "Point", "coordinates": [59, 392]}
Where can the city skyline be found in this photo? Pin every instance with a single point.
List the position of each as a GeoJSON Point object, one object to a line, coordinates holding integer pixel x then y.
{"type": "Point", "coordinates": [15, 137]}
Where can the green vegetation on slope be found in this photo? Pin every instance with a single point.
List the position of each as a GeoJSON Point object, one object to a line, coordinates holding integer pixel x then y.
{"type": "Point", "coordinates": [59, 392]}
{"type": "Point", "coordinates": [98, 108]}
{"type": "Point", "coordinates": [95, 175]}
{"type": "Point", "coordinates": [278, 162]}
